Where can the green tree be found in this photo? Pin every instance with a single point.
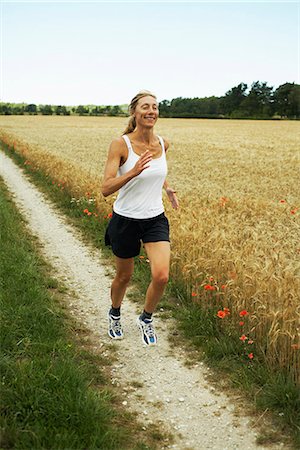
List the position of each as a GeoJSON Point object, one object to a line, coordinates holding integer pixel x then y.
{"type": "Point", "coordinates": [164, 108]}
{"type": "Point", "coordinates": [46, 110]}
{"type": "Point", "coordinates": [31, 108]}
{"type": "Point", "coordinates": [233, 99]}
{"type": "Point", "coordinates": [259, 102]}
{"type": "Point", "coordinates": [18, 110]}
{"type": "Point", "coordinates": [287, 100]}
{"type": "Point", "coordinates": [61, 110]}
{"type": "Point", "coordinates": [115, 111]}
{"type": "Point", "coordinates": [5, 109]}
{"type": "Point", "coordinates": [82, 110]}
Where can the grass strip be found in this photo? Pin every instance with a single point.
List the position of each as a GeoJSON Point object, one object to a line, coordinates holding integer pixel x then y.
{"type": "Point", "coordinates": [220, 346]}
{"type": "Point", "coordinates": [53, 394]}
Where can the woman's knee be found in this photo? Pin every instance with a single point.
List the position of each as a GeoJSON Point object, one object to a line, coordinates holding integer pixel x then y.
{"type": "Point", "coordinates": [123, 277]}
{"type": "Point", "coordinates": [161, 277]}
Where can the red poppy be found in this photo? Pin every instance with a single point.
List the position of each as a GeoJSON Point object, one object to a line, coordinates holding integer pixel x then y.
{"type": "Point", "coordinates": [221, 314]}
{"type": "Point", "coordinates": [282, 201]}
{"type": "Point", "coordinates": [295, 346]}
{"type": "Point", "coordinates": [223, 286]}
{"type": "Point", "coordinates": [194, 294]}
{"type": "Point", "coordinates": [244, 313]}
{"type": "Point", "coordinates": [226, 311]}
{"type": "Point", "coordinates": [241, 323]}
{"type": "Point", "coordinates": [250, 341]}
{"type": "Point", "coordinates": [85, 211]}
{"type": "Point", "coordinates": [109, 215]}
{"type": "Point", "coordinates": [251, 356]}
{"type": "Point", "coordinates": [207, 287]}
{"type": "Point", "coordinates": [89, 213]}
{"type": "Point", "coordinates": [243, 337]}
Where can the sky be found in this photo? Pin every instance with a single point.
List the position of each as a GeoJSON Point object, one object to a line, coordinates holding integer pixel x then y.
{"type": "Point", "coordinates": [93, 52]}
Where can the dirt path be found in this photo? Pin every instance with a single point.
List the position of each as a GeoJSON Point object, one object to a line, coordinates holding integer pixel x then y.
{"type": "Point", "coordinates": [155, 381]}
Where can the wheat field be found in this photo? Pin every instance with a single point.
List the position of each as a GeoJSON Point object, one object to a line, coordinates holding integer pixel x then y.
{"type": "Point", "coordinates": [237, 229]}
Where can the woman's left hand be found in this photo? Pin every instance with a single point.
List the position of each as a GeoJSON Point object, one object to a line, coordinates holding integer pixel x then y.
{"type": "Point", "coordinates": [172, 197]}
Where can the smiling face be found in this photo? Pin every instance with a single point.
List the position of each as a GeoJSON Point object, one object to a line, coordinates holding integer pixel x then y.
{"type": "Point", "coordinates": [146, 111]}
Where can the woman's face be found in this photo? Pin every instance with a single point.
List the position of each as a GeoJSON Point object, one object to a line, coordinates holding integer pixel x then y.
{"type": "Point", "coordinates": [146, 112]}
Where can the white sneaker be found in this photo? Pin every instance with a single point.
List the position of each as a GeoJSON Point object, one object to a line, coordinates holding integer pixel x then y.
{"type": "Point", "coordinates": [147, 330]}
{"type": "Point", "coordinates": [114, 327]}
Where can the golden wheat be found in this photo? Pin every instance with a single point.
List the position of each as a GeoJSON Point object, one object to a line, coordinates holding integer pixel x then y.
{"type": "Point", "coordinates": [238, 186]}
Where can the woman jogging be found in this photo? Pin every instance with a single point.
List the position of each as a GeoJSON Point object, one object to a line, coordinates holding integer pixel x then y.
{"type": "Point", "coordinates": [136, 167]}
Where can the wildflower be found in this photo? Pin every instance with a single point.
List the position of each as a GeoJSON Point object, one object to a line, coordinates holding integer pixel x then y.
{"type": "Point", "coordinates": [194, 294]}
{"type": "Point", "coordinates": [211, 278]}
{"type": "Point", "coordinates": [282, 201]}
{"type": "Point", "coordinates": [243, 338]}
{"type": "Point", "coordinates": [250, 341]}
{"type": "Point", "coordinates": [244, 313]}
{"type": "Point", "coordinates": [226, 311]}
{"type": "Point", "coordinates": [293, 211]}
{"type": "Point", "coordinates": [221, 314]}
{"type": "Point", "coordinates": [89, 213]}
{"type": "Point", "coordinates": [295, 346]}
{"type": "Point", "coordinates": [85, 211]}
{"type": "Point", "coordinates": [142, 257]}
{"type": "Point", "coordinates": [208, 287]}
{"type": "Point", "coordinates": [241, 323]}
{"type": "Point", "coordinates": [223, 201]}
{"type": "Point", "coordinates": [109, 215]}
{"type": "Point", "coordinates": [223, 286]}
{"type": "Point", "coordinates": [251, 356]}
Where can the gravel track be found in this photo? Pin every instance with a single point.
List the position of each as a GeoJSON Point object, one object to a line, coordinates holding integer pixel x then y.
{"type": "Point", "coordinates": [155, 381]}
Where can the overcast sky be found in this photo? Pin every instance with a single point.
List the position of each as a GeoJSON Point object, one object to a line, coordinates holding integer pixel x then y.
{"type": "Point", "coordinates": [72, 53]}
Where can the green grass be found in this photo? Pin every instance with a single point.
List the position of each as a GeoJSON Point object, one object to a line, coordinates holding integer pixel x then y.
{"type": "Point", "coordinates": [53, 391]}
{"type": "Point", "coordinates": [219, 345]}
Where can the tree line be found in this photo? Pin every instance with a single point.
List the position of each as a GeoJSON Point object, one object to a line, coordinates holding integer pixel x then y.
{"type": "Point", "coordinates": [59, 110]}
{"type": "Point", "coordinates": [260, 101]}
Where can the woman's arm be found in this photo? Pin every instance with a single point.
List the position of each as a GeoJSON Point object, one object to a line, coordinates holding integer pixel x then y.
{"type": "Point", "coordinates": [169, 191]}
{"type": "Point", "coordinates": [172, 195]}
{"type": "Point", "coordinates": [112, 183]}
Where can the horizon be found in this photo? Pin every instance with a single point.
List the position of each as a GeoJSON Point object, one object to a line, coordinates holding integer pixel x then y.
{"type": "Point", "coordinates": [127, 104]}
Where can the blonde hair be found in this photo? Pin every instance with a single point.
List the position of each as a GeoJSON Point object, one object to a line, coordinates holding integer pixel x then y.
{"type": "Point", "coordinates": [131, 109]}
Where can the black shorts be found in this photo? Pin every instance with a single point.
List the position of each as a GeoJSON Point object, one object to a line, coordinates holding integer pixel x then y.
{"type": "Point", "coordinates": [124, 234]}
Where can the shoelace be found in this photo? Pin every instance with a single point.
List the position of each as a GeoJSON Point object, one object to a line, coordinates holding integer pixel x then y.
{"type": "Point", "coordinates": [149, 330]}
{"type": "Point", "coordinates": [116, 324]}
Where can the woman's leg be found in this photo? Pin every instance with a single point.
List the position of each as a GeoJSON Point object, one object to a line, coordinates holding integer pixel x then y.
{"type": "Point", "coordinates": [159, 256]}
{"type": "Point", "coordinates": [124, 270]}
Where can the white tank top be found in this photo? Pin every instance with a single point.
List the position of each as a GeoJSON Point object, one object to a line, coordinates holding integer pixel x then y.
{"type": "Point", "coordinates": [141, 197]}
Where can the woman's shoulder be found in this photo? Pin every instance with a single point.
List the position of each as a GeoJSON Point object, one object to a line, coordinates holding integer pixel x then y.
{"type": "Point", "coordinates": [118, 145]}
{"type": "Point", "coordinates": [166, 143]}
{"type": "Point", "coordinates": [118, 140]}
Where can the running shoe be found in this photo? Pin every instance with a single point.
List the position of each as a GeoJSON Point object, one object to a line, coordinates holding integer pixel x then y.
{"type": "Point", "coordinates": [147, 330]}
{"type": "Point", "coordinates": [114, 327]}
